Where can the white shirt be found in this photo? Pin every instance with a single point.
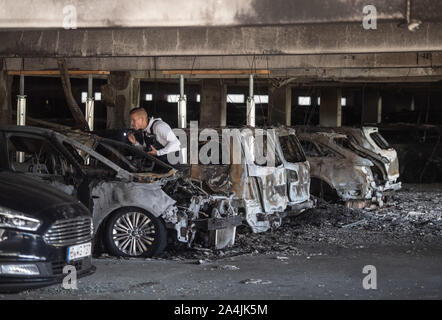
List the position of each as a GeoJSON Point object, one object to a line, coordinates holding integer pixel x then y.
{"type": "Point", "coordinates": [164, 135]}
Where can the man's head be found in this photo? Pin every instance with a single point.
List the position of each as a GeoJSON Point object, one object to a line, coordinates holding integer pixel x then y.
{"type": "Point", "coordinates": [138, 119]}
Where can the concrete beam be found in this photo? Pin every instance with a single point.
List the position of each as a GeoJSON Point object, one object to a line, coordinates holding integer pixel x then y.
{"type": "Point", "coordinates": [198, 41]}
{"type": "Point", "coordinates": [303, 76]}
{"type": "Point", "coordinates": [385, 67]}
{"type": "Point", "coordinates": [246, 62]}
{"type": "Point", "coordinates": [169, 13]}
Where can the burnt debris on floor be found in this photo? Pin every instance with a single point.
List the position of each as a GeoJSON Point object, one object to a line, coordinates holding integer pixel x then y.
{"type": "Point", "coordinates": [412, 215]}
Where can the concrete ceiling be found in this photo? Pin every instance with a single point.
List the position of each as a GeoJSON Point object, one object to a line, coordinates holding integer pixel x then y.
{"type": "Point", "coordinates": [300, 40]}
{"type": "Point", "coordinates": [169, 13]}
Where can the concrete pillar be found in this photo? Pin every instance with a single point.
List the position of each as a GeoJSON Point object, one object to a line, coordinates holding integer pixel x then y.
{"type": "Point", "coordinates": [223, 120]}
{"type": "Point", "coordinates": [5, 98]}
{"type": "Point", "coordinates": [280, 106]}
{"type": "Point", "coordinates": [371, 106]}
{"type": "Point", "coordinates": [213, 103]}
{"type": "Point", "coordinates": [330, 110]}
{"type": "Point", "coordinates": [121, 94]}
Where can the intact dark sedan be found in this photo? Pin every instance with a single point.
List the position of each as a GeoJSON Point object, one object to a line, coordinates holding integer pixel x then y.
{"type": "Point", "coordinates": [41, 231]}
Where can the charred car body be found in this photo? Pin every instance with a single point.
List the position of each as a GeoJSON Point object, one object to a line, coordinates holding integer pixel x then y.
{"type": "Point", "coordinates": [123, 187]}
{"type": "Point", "coordinates": [370, 144]}
{"type": "Point", "coordinates": [337, 173]}
{"type": "Point", "coordinates": [263, 191]}
{"type": "Point", "coordinates": [41, 231]}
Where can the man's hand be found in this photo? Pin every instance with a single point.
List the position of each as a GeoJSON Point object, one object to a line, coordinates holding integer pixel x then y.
{"type": "Point", "coordinates": [131, 138]}
{"type": "Point", "coordinates": [153, 151]}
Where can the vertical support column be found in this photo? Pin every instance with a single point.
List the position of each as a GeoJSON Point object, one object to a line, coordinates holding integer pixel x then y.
{"type": "Point", "coordinates": [89, 110]}
{"type": "Point", "coordinates": [213, 103]}
{"type": "Point", "coordinates": [280, 106]}
{"type": "Point", "coordinates": [412, 104]}
{"type": "Point", "coordinates": [371, 106]}
{"type": "Point", "coordinates": [182, 112]}
{"type": "Point", "coordinates": [312, 110]}
{"type": "Point", "coordinates": [223, 111]}
{"type": "Point", "coordinates": [330, 110]}
{"type": "Point", "coordinates": [251, 113]}
{"type": "Point", "coordinates": [21, 112]}
{"type": "Point", "coordinates": [5, 97]}
{"type": "Point", "coordinates": [121, 94]}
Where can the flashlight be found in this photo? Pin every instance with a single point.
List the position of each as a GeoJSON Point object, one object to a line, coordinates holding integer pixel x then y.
{"type": "Point", "coordinates": [125, 133]}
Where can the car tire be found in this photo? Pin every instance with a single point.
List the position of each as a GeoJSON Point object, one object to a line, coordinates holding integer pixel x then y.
{"type": "Point", "coordinates": [134, 232]}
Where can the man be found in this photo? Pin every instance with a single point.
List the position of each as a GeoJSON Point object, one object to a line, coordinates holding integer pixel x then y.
{"type": "Point", "coordinates": [166, 140]}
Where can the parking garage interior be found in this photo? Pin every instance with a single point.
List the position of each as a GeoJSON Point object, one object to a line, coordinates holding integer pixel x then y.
{"type": "Point", "coordinates": [258, 64]}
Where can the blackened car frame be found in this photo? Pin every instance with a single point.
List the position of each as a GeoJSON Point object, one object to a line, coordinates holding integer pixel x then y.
{"type": "Point", "coordinates": [137, 201]}
{"type": "Point", "coordinates": [263, 192]}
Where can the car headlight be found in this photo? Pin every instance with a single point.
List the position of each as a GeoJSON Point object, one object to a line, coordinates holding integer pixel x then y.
{"type": "Point", "coordinates": [17, 220]}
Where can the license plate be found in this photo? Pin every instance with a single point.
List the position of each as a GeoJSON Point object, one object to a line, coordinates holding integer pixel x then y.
{"type": "Point", "coordinates": [79, 251]}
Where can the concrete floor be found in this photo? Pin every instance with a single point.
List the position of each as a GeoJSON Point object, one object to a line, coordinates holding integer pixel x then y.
{"type": "Point", "coordinates": [312, 256]}
{"type": "Point", "coordinates": [322, 273]}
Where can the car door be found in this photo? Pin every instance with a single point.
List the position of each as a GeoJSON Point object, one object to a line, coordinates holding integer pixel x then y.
{"type": "Point", "coordinates": [297, 167]}
{"type": "Point", "coordinates": [313, 155]}
{"type": "Point", "coordinates": [270, 177]}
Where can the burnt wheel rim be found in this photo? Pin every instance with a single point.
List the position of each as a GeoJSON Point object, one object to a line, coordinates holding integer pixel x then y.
{"type": "Point", "coordinates": [133, 233]}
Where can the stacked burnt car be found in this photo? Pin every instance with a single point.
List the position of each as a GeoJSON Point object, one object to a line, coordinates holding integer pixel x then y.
{"type": "Point", "coordinates": [138, 203]}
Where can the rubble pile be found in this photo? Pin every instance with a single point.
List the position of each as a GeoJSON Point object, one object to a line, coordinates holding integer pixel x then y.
{"type": "Point", "coordinates": [412, 214]}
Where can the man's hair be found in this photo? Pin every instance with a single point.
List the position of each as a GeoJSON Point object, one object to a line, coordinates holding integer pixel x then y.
{"type": "Point", "coordinates": [138, 110]}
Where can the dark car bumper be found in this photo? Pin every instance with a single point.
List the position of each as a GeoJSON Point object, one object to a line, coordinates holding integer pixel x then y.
{"type": "Point", "coordinates": [22, 248]}
{"type": "Point", "coordinates": [50, 273]}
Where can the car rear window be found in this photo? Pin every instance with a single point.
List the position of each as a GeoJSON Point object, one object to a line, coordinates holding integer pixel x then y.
{"type": "Point", "coordinates": [379, 140]}
{"type": "Point", "coordinates": [291, 149]}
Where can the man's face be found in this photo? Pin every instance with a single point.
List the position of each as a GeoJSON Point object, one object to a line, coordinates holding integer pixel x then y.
{"type": "Point", "coordinates": [138, 121]}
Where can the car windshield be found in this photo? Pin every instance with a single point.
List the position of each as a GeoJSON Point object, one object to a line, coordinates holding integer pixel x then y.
{"type": "Point", "coordinates": [130, 158]}
{"type": "Point", "coordinates": [124, 156]}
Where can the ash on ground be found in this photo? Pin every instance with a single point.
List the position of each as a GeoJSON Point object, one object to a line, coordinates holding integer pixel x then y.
{"type": "Point", "coordinates": [412, 215]}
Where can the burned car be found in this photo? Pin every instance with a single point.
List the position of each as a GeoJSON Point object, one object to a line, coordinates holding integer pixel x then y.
{"type": "Point", "coordinates": [264, 188]}
{"type": "Point", "coordinates": [131, 195]}
{"type": "Point", "coordinates": [42, 230]}
{"type": "Point", "coordinates": [370, 143]}
{"type": "Point", "coordinates": [337, 172]}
